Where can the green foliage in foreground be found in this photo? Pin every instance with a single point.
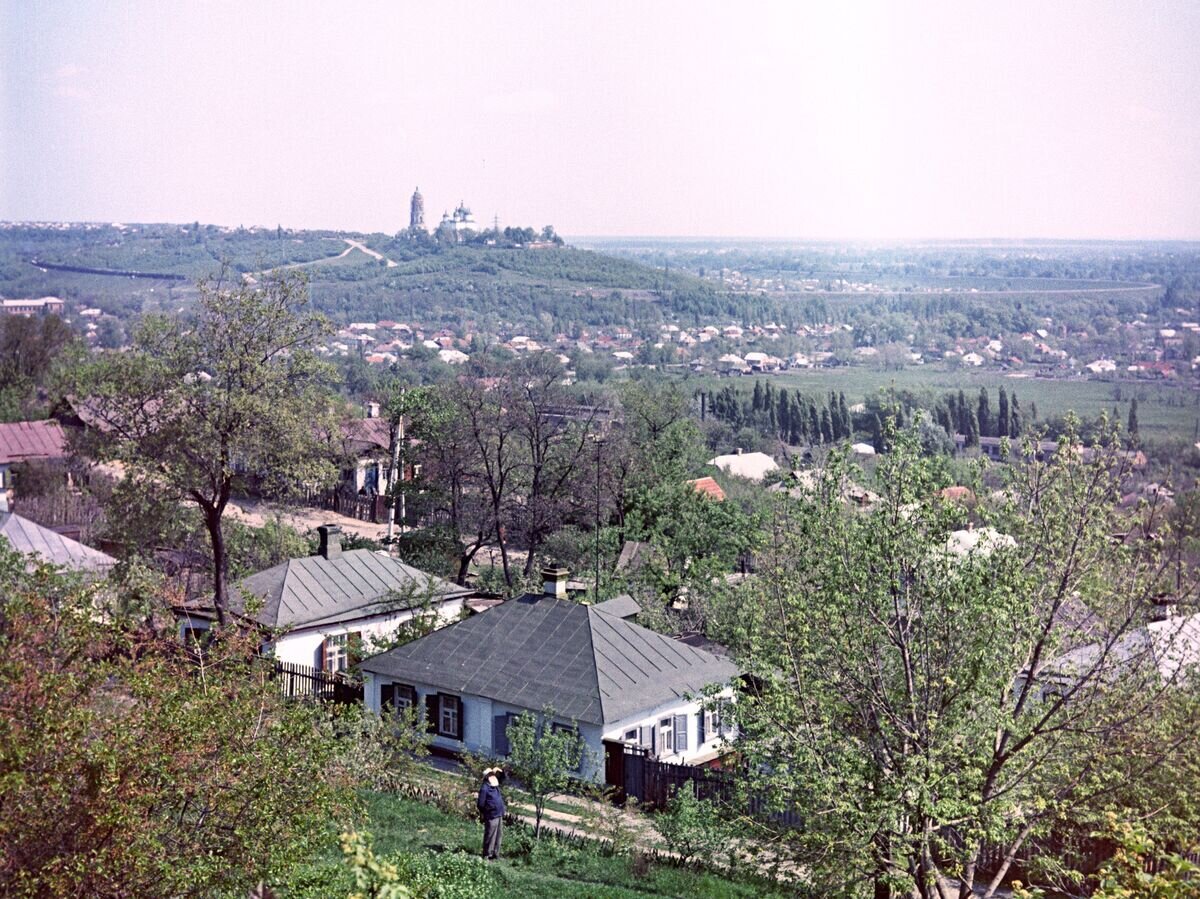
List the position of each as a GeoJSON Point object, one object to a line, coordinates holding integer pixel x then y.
{"type": "Point", "coordinates": [129, 767]}
{"type": "Point", "coordinates": [436, 855]}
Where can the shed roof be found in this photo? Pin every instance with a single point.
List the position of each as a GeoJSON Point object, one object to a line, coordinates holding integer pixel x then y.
{"type": "Point", "coordinates": [355, 583]}
{"type": "Point", "coordinates": [708, 487]}
{"type": "Point", "coordinates": [623, 606]}
{"type": "Point", "coordinates": [538, 651]}
{"type": "Point", "coordinates": [31, 539]}
{"type": "Point", "coordinates": [22, 440]}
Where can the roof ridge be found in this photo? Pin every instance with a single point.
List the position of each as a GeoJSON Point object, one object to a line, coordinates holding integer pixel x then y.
{"type": "Point", "coordinates": [590, 612]}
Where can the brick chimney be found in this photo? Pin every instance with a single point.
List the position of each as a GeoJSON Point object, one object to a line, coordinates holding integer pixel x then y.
{"type": "Point", "coordinates": [372, 410]}
{"type": "Point", "coordinates": [331, 541]}
{"type": "Point", "coordinates": [554, 582]}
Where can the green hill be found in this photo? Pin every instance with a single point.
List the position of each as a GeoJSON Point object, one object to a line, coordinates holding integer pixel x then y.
{"type": "Point", "coordinates": [128, 269]}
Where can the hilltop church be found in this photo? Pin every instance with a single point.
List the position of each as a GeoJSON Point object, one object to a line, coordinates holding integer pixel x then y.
{"type": "Point", "coordinates": [457, 223]}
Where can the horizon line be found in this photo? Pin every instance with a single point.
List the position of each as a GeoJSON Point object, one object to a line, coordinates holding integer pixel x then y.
{"type": "Point", "coordinates": [732, 238]}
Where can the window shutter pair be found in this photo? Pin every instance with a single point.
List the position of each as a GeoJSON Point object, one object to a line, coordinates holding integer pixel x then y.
{"type": "Point", "coordinates": [680, 730]}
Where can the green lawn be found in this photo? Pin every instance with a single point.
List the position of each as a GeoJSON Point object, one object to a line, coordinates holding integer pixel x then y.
{"type": "Point", "coordinates": [550, 869]}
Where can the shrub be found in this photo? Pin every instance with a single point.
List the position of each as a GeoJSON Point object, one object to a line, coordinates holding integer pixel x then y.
{"type": "Point", "coordinates": [691, 827]}
{"type": "Point", "coordinates": [381, 752]}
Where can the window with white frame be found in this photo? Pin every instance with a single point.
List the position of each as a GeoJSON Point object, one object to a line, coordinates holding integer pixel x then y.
{"type": "Point", "coordinates": [337, 653]}
{"type": "Point", "coordinates": [449, 717]}
{"type": "Point", "coordinates": [666, 736]}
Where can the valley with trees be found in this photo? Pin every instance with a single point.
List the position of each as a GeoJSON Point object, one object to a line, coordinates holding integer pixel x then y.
{"type": "Point", "coordinates": [963, 616]}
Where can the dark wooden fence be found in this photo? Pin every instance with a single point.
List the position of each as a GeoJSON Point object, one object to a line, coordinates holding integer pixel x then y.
{"type": "Point", "coordinates": [1084, 855]}
{"type": "Point", "coordinates": [635, 772]}
{"type": "Point", "coordinates": [365, 508]}
{"type": "Point", "coordinates": [302, 682]}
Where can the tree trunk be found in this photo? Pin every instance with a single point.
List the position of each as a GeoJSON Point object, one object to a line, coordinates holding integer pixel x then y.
{"type": "Point", "coordinates": [503, 553]}
{"type": "Point", "coordinates": [220, 562]}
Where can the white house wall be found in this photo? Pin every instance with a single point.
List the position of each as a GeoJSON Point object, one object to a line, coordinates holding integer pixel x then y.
{"type": "Point", "coordinates": [480, 711]}
{"type": "Point", "coordinates": [300, 646]}
{"type": "Point", "coordinates": [693, 710]}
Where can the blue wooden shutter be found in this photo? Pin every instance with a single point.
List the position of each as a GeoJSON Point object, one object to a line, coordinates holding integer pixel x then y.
{"type": "Point", "coordinates": [500, 735]}
{"type": "Point", "coordinates": [701, 731]}
{"type": "Point", "coordinates": [646, 736]}
{"type": "Point", "coordinates": [431, 713]}
{"type": "Point", "coordinates": [462, 721]}
{"type": "Point", "coordinates": [681, 734]}
{"type": "Point", "coordinates": [387, 696]}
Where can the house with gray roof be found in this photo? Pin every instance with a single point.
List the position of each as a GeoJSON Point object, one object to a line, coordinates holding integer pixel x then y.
{"type": "Point", "coordinates": [41, 544]}
{"type": "Point", "coordinates": [325, 607]}
{"type": "Point", "coordinates": [612, 679]}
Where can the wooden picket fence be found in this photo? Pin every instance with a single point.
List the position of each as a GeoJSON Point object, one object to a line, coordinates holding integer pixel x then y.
{"type": "Point", "coordinates": [303, 682]}
{"type": "Point", "coordinates": [352, 505]}
{"type": "Point", "coordinates": [635, 772]}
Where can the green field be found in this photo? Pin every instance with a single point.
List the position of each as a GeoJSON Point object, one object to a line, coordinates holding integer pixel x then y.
{"type": "Point", "coordinates": [1165, 411]}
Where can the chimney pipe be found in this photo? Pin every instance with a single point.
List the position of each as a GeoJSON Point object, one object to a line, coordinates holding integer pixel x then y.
{"type": "Point", "coordinates": [554, 582]}
{"type": "Point", "coordinates": [1164, 607]}
{"type": "Point", "coordinates": [331, 541]}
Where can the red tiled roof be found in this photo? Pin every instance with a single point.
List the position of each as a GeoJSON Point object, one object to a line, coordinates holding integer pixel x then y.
{"type": "Point", "coordinates": [708, 487]}
{"type": "Point", "coordinates": [22, 440]}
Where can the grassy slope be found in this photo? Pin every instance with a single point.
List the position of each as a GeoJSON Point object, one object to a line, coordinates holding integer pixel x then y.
{"type": "Point", "coordinates": [401, 825]}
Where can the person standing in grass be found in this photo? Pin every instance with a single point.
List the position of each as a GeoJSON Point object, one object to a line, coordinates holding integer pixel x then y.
{"type": "Point", "coordinates": [491, 808]}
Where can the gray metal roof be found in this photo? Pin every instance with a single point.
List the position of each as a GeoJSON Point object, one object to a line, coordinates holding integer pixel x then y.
{"type": "Point", "coordinates": [623, 606]}
{"type": "Point", "coordinates": [315, 590]}
{"type": "Point", "coordinates": [31, 539]}
{"type": "Point", "coordinates": [539, 651]}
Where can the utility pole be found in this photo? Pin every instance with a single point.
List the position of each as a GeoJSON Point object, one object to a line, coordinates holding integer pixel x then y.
{"type": "Point", "coordinates": [397, 470]}
{"type": "Point", "coordinates": [596, 588]}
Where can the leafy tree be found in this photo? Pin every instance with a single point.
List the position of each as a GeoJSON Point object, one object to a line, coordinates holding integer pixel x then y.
{"type": "Point", "coordinates": [983, 414]}
{"type": "Point", "coordinates": [1131, 427]}
{"type": "Point", "coordinates": [1002, 415]}
{"type": "Point", "coordinates": [201, 408]}
{"type": "Point", "coordinates": [972, 430]}
{"type": "Point", "coordinates": [132, 767]}
{"type": "Point", "coordinates": [544, 757]}
{"type": "Point", "coordinates": [902, 686]}
{"type": "Point", "coordinates": [28, 350]}
{"type": "Point", "coordinates": [827, 433]}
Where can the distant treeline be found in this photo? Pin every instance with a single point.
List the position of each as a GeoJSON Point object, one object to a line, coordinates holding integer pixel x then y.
{"type": "Point", "coordinates": [155, 276]}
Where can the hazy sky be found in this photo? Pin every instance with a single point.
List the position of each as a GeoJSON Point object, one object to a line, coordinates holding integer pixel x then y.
{"type": "Point", "coordinates": [837, 119]}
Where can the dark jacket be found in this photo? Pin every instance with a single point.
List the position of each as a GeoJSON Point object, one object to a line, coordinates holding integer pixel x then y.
{"type": "Point", "coordinates": [490, 803]}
